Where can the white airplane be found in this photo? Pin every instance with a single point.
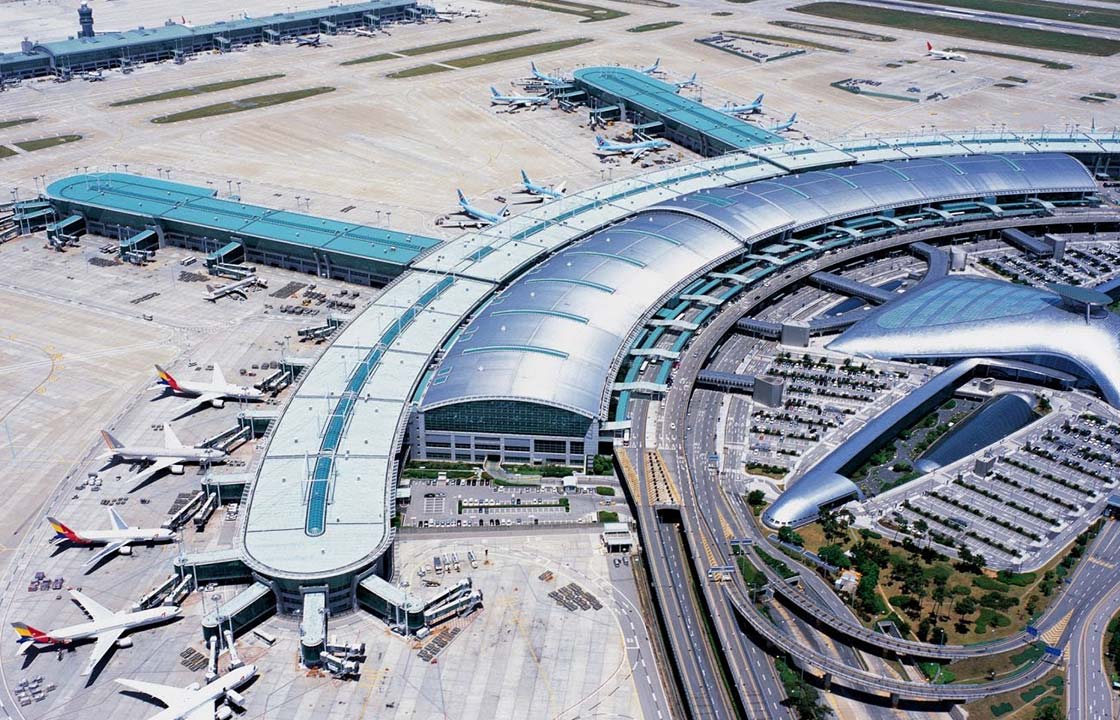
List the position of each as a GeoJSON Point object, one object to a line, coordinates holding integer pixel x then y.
{"type": "Point", "coordinates": [105, 627]}
{"type": "Point", "coordinates": [364, 33]}
{"type": "Point", "coordinates": [195, 702]}
{"type": "Point", "coordinates": [748, 109]}
{"type": "Point", "coordinates": [479, 214]}
{"type": "Point", "coordinates": [530, 187]}
{"type": "Point", "coordinates": [652, 69]}
{"type": "Point", "coordinates": [783, 126]}
{"type": "Point", "coordinates": [308, 41]}
{"type": "Point", "coordinates": [171, 456]}
{"type": "Point", "coordinates": [215, 392]}
{"type": "Point", "coordinates": [237, 287]}
{"type": "Point", "coordinates": [544, 77]}
{"type": "Point", "coordinates": [605, 147]}
{"type": "Point", "coordinates": [691, 82]}
{"type": "Point", "coordinates": [943, 54]}
{"type": "Point", "coordinates": [119, 539]}
{"type": "Point", "coordinates": [518, 101]}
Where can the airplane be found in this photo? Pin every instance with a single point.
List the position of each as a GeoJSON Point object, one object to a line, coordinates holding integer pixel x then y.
{"type": "Point", "coordinates": [545, 78]}
{"type": "Point", "coordinates": [195, 702]}
{"type": "Point", "coordinates": [105, 628]}
{"type": "Point", "coordinates": [119, 539]}
{"type": "Point", "coordinates": [783, 126]}
{"type": "Point", "coordinates": [169, 457]}
{"type": "Point", "coordinates": [748, 109]}
{"type": "Point", "coordinates": [365, 33]}
{"type": "Point", "coordinates": [943, 54]}
{"type": "Point", "coordinates": [308, 41]}
{"type": "Point", "coordinates": [691, 82]}
{"type": "Point", "coordinates": [215, 392]}
{"type": "Point", "coordinates": [479, 214]}
{"type": "Point", "coordinates": [92, 76]}
{"type": "Point", "coordinates": [530, 187]}
{"type": "Point", "coordinates": [518, 101]}
{"type": "Point", "coordinates": [605, 147]}
{"type": "Point", "coordinates": [234, 288]}
{"type": "Point", "coordinates": [652, 69]}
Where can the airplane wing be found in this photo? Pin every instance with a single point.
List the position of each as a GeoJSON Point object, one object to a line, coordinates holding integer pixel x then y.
{"type": "Point", "coordinates": [218, 378]}
{"type": "Point", "coordinates": [170, 439]}
{"type": "Point", "coordinates": [96, 611]}
{"type": "Point", "coordinates": [203, 399]}
{"type": "Point", "coordinates": [166, 694]}
{"type": "Point", "coordinates": [116, 520]}
{"type": "Point", "coordinates": [202, 712]}
{"type": "Point", "coordinates": [104, 552]}
{"type": "Point", "coordinates": [105, 643]}
{"type": "Point", "coordinates": [161, 464]}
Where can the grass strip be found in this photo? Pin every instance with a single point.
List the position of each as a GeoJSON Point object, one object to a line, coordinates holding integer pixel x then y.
{"type": "Point", "coordinates": [796, 42]}
{"type": "Point", "coordinates": [487, 58]}
{"type": "Point", "coordinates": [655, 26]}
{"type": "Point", "coordinates": [43, 143]}
{"type": "Point", "coordinates": [249, 103]}
{"type": "Point", "coordinates": [834, 30]}
{"type": "Point", "coordinates": [1042, 9]}
{"type": "Point", "coordinates": [440, 47]}
{"type": "Point", "coordinates": [6, 151]}
{"type": "Point", "coordinates": [970, 29]}
{"type": "Point", "coordinates": [589, 13]}
{"type": "Point", "coordinates": [1048, 64]}
{"type": "Point", "coordinates": [196, 90]}
{"type": "Point", "coordinates": [18, 121]}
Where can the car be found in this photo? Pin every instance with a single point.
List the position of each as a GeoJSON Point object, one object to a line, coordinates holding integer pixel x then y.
{"type": "Point", "coordinates": [617, 562]}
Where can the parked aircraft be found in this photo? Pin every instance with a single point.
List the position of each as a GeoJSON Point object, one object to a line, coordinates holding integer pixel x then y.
{"type": "Point", "coordinates": [544, 77]}
{"type": "Point", "coordinates": [652, 69]}
{"type": "Point", "coordinates": [194, 702]}
{"type": "Point", "coordinates": [783, 126]}
{"type": "Point", "coordinates": [237, 287]}
{"type": "Point", "coordinates": [365, 33]}
{"type": "Point", "coordinates": [214, 393]}
{"type": "Point", "coordinates": [748, 109]}
{"type": "Point", "coordinates": [691, 82]}
{"type": "Point", "coordinates": [943, 54]}
{"type": "Point", "coordinates": [530, 187]}
{"type": "Point", "coordinates": [105, 628]}
{"type": "Point", "coordinates": [308, 41]}
{"type": "Point", "coordinates": [605, 147]}
{"type": "Point", "coordinates": [171, 456]}
{"type": "Point", "coordinates": [476, 213]}
{"type": "Point", "coordinates": [517, 101]}
{"type": "Point", "coordinates": [119, 539]}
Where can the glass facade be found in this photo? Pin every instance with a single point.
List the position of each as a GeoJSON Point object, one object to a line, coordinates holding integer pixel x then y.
{"type": "Point", "coordinates": [502, 416]}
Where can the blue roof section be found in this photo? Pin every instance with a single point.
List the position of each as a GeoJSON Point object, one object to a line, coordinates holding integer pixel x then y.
{"type": "Point", "coordinates": [660, 98]}
{"type": "Point", "coordinates": [189, 204]}
{"type": "Point", "coordinates": [964, 299]}
{"type": "Point", "coordinates": [172, 32]}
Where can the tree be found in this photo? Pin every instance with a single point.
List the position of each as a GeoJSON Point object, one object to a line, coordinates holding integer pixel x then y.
{"type": "Point", "coordinates": [965, 606]}
{"type": "Point", "coordinates": [1049, 712]}
{"type": "Point", "coordinates": [756, 498]}
{"type": "Point", "coordinates": [788, 535]}
{"type": "Point", "coordinates": [834, 555]}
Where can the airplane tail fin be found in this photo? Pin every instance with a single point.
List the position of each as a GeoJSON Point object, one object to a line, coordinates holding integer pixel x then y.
{"type": "Point", "coordinates": [533, 67]}
{"type": "Point", "coordinates": [111, 442]}
{"type": "Point", "coordinates": [929, 46]}
{"type": "Point", "coordinates": [165, 378]}
{"type": "Point", "coordinates": [494, 92]}
{"type": "Point", "coordinates": [793, 118]}
{"type": "Point", "coordinates": [28, 634]}
{"type": "Point", "coordinates": [170, 439]}
{"type": "Point", "coordinates": [524, 178]}
{"type": "Point", "coordinates": [599, 141]}
{"type": "Point", "coordinates": [462, 198]}
{"type": "Point", "coordinates": [758, 100]}
{"type": "Point", "coordinates": [61, 532]}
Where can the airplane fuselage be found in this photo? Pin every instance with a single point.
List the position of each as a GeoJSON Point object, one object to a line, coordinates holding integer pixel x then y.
{"type": "Point", "coordinates": [183, 454]}
{"type": "Point", "coordinates": [232, 392]}
{"type": "Point", "coordinates": [131, 535]}
{"type": "Point", "coordinates": [119, 621]}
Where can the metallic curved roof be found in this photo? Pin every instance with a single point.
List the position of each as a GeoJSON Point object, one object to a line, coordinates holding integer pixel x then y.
{"type": "Point", "coordinates": [553, 334]}
{"type": "Point", "coordinates": [757, 209]}
{"type": "Point", "coordinates": [815, 489]}
{"type": "Point", "coordinates": [965, 317]}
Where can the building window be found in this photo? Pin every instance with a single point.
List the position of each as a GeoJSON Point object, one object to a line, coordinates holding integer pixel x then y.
{"type": "Point", "coordinates": [506, 417]}
{"type": "Point", "coordinates": [554, 447]}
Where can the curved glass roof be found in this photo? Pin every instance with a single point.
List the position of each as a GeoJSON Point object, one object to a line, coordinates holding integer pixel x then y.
{"type": "Point", "coordinates": [991, 422]}
{"type": "Point", "coordinates": [968, 317]}
{"type": "Point", "coordinates": [553, 334]}
{"type": "Point", "coordinates": [802, 502]}
{"type": "Point", "coordinates": [798, 201]}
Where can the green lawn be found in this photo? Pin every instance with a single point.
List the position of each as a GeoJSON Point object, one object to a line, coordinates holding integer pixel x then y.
{"type": "Point", "coordinates": [796, 42]}
{"type": "Point", "coordinates": [1048, 64]}
{"type": "Point", "coordinates": [655, 26]}
{"type": "Point", "coordinates": [971, 29]}
{"type": "Point", "coordinates": [17, 121]}
{"type": "Point", "coordinates": [589, 13]}
{"type": "Point", "coordinates": [834, 30]}
{"type": "Point", "coordinates": [250, 103]}
{"type": "Point", "coordinates": [487, 58]}
{"type": "Point", "coordinates": [1042, 9]}
{"type": "Point", "coordinates": [6, 151]}
{"type": "Point", "coordinates": [196, 90]}
{"type": "Point", "coordinates": [42, 143]}
{"type": "Point", "coordinates": [440, 47]}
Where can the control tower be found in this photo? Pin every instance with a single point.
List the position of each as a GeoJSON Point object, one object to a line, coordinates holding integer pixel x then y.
{"type": "Point", "coordinates": [85, 20]}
